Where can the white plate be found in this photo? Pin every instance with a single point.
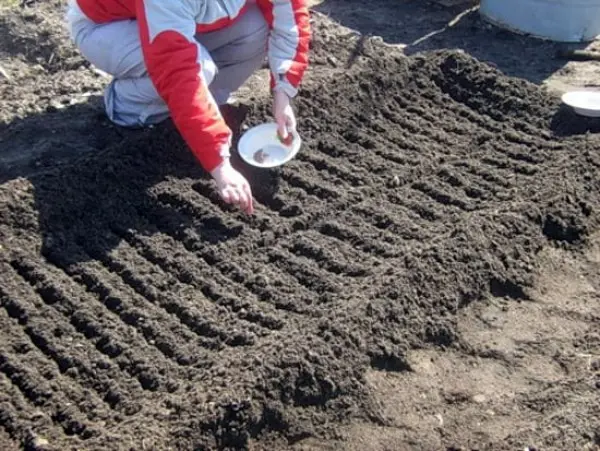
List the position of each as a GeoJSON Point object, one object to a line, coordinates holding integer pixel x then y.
{"type": "Point", "coordinates": [260, 146]}
{"type": "Point", "coordinates": [586, 103]}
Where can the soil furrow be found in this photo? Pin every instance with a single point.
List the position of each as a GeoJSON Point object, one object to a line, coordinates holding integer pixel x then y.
{"type": "Point", "coordinates": [164, 289]}
{"type": "Point", "coordinates": [216, 336]}
{"type": "Point", "coordinates": [67, 346]}
{"type": "Point", "coordinates": [90, 318]}
{"type": "Point", "coordinates": [407, 148]}
{"type": "Point", "coordinates": [350, 255]}
{"type": "Point", "coordinates": [322, 190]}
{"type": "Point", "coordinates": [355, 178]}
{"type": "Point", "coordinates": [277, 205]}
{"type": "Point", "coordinates": [374, 228]}
{"type": "Point", "coordinates": [479, 183]}
{"type": "Point", "coordinates": [94, 406]}
{"type": "Point", "coordinates": [274, 203]}
{"type": "Point", "coordinates": [271, 201]}
{"type": "Point", "coordinates": [417, 202]}
{"type": "Point", "coordinates": [523, 160]}
{"type": "Point", "coordinates": [464, 177]}
{"type": "Point", "coordinates": [524, 136]}
{"type": "Point", "coordinates": [134, 310]}
{"type": "Point", "coordinates": [324, 258]}
{"type": "Point", "coordinates": [443, 124]}
{"type": "Point", "coordinates": [68, 354]}
{"type": "Point", "coordinates": [165, 252]}
{"type": "Point", "coordinates": [189, 204]}
{"type": "Point", "coordinates": [345, 234]}
{"type": "Point", "coordinates": [187, 210]}
{"type": "Point", "coordinates": [22, 421]}
{"type": "Point", "coordinates": [196, 210]}
{"type": "Point", "coordinates": [98, 283]}
{"type": "Point", "coordinates": [414, 126]}
{"type": "Point", "coordinates": [493, 180]}
{"type": "Point", "coordinates": [328, 178]}
{"type": "Point", "coordinates": [531, 143]}
{"type": "Point", "coordinates": [437, 100]}
{"type": "Point", "coordinates": [119, 262]}
{"type": "Point", "coordinates": [31, 385]}
{"type": "Point", "coordinates": [442, 195]}
{"type": "Point", "coordinates": [206, 189]}
{"type": "Point", "coordinates": [189, 243]}
{"type": "Point", "coordinates": [371, 154]}
{"type": "Point", "coordinates": [38, 379]}
{"type": "Point", "coordinates": [505, 164]}
{"type": "Point", "coordinates": [178, 215]}
{"type": "Point", "coordinates": [404, 225]}
{"type": "Point", "coordinates": [434, 108]}
{"type": "Point", "coordinates": [307, 272]}
{"type": "Point", "coordinates": [482, 90]}
{"type": "Point", "coordinates": [471, 187]}
{"type": "Point", "coordinates": [517, 133]}
{"type": "Point", "coordinates": [394, 132]}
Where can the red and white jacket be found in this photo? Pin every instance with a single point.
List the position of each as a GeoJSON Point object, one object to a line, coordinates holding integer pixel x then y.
{"type": "Point", "coordinates": [167, 29]}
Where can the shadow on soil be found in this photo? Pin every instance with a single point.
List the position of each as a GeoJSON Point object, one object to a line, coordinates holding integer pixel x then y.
{"type": "Point", "coordinates": [92, 182]}
{"type": "Point", "coordinates": [424, 26]}
{"type": "Point", "coordinates": [566, 123]}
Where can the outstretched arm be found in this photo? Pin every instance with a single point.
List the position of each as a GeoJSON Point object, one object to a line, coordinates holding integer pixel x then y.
{"type": "Point", "coordinates": [171, 54]}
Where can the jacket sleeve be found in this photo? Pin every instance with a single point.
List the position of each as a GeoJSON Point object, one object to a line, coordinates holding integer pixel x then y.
{"type": "Point", "coordinates": [288, 42]}
{"type": "Point", "coordinates": [171, 54]}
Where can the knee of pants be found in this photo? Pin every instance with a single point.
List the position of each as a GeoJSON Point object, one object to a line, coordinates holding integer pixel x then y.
{"type": "Point", "coordinates": [134, 102]}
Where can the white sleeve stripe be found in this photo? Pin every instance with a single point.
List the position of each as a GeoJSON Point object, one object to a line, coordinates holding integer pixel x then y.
{"type": "Point", "coordinates": [285, 39]}
{"type": "Point", "coordinates": [169, 16]}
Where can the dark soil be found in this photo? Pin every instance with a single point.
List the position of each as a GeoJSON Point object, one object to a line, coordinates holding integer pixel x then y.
{"type": "Point", "coordinates": [139, 312]}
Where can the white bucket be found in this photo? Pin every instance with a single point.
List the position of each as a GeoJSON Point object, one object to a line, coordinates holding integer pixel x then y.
{"type": "Point", "coordinates": [556, 20]}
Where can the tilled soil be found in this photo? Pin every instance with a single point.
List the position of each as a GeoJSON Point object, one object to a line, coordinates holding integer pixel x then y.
{"type": "Point", "coordinates": [139, 312]}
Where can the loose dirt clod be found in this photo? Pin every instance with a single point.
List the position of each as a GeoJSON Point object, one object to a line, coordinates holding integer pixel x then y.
{"type": "Point", "coordinates": [4, 74]}
{"type": "Point", "coordinates": [260, 156]}
{"type": "Point", "coordinates": [40, 443]}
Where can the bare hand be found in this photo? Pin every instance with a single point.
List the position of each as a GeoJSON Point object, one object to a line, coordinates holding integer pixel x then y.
{"type": "Point", "coordinates": [233, 187]}
{"type": "Point", "coordinates": [284, 114]}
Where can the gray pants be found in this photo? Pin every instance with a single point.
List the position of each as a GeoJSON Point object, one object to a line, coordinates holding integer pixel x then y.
{"type": "Point", "coordinates": [228, 57]}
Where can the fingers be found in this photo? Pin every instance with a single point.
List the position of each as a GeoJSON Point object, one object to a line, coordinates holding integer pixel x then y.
{"type": "Point", "coordinates": [290, 120]}
{"type": "Point", "coordinates": [246, 202]}
{"type": "Point", "coordinates": [240, 195]}
{"type": "Point", "coordinates": [250, 204]}
{"type": "Point", "coordinates": [282, 127]}
{"type": "Point", "coordinates": [284, 114]}
{"type": "Point", "coordinates": [230, 195]}
{"type": "Point", "coordinates": [225, 195]}
{"type": "Point", "coordinates": [286, 126]}
{"type": "Point", "coordinates": [233, 188]}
